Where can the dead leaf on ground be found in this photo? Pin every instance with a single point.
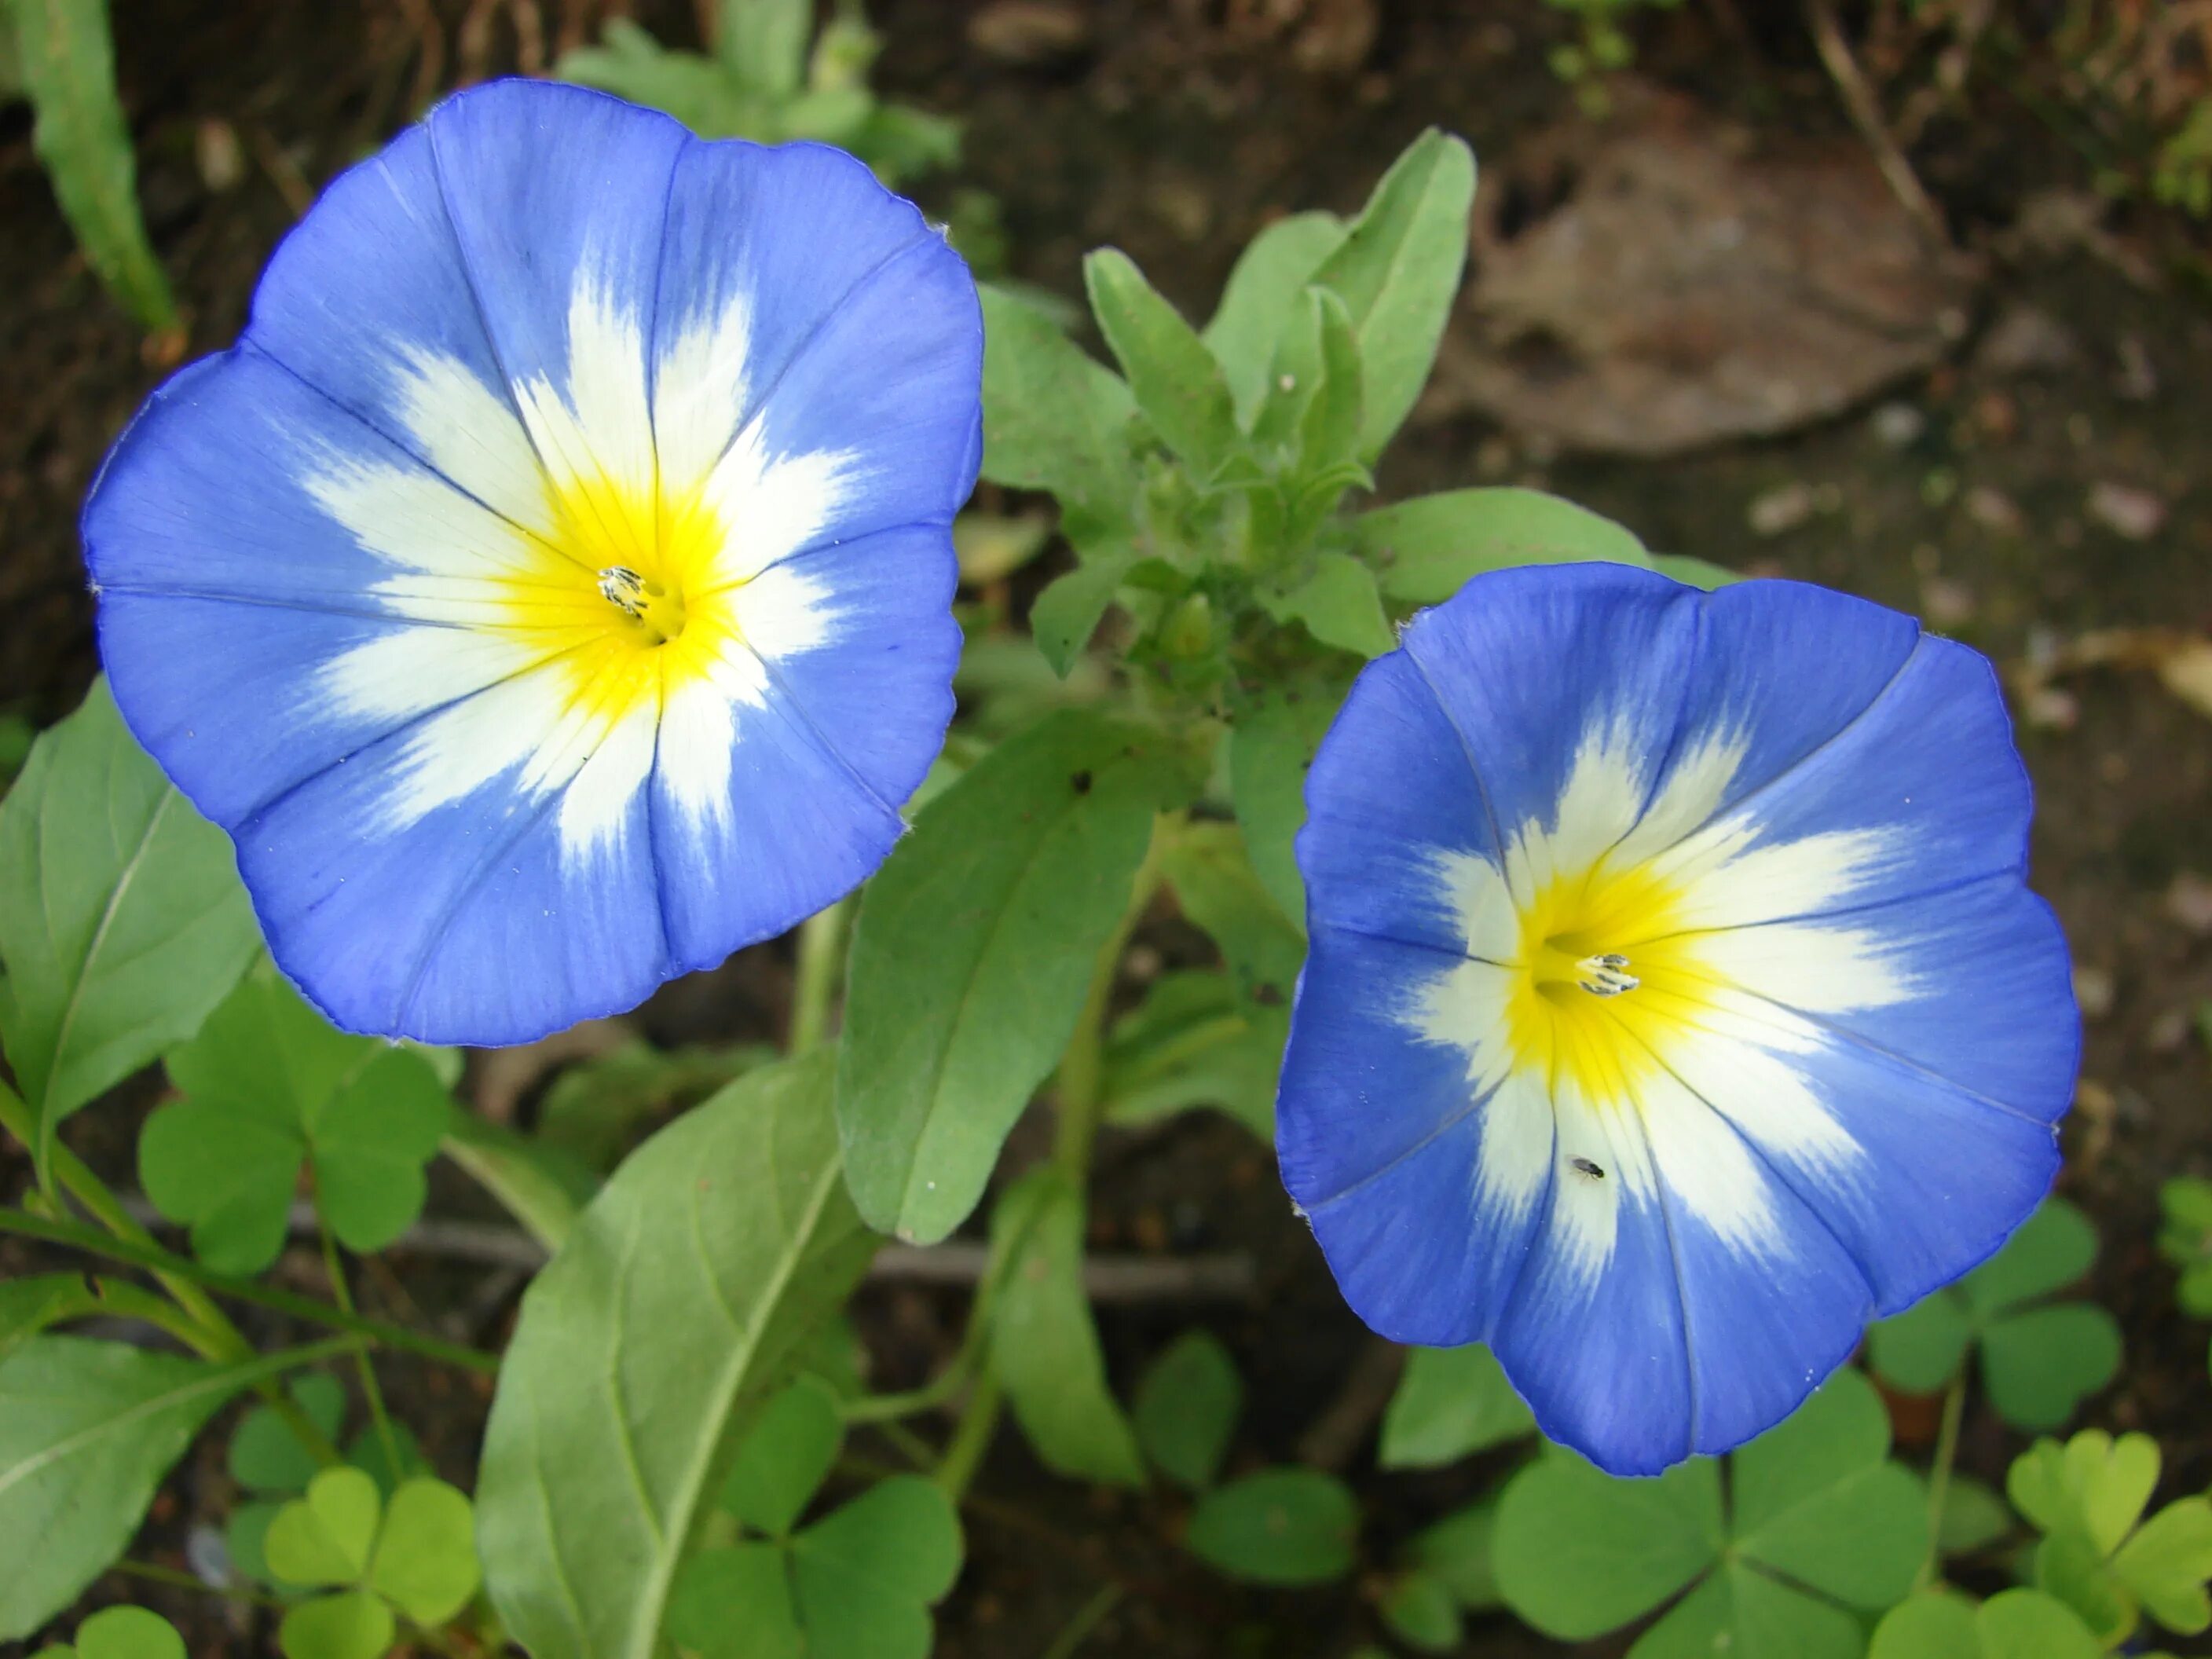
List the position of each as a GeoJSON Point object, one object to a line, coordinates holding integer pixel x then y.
{"type": "Point", "coordinates": [2181, 660]}
{"type": "Point", "coordinates": [1664, 281]}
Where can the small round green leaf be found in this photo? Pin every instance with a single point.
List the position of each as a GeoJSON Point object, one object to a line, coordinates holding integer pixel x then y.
{"type": "Point", "coordinates": [266, 1456]}
{"type": "Point", "coordinates": [1287, 1526]}
{"type": "Point", "coordinates": [2024, 1624]}
{"type": "Point", "coordinates": [1450, 1404]}
{"type": "Point", "coordinates": [901, 1533]}
{"type": "Point", "coordinates": [1421, 1611]}
{"type": "Point", "coordinates": [1578, 1552]}
{"type": "Point", "coordinates": [2053, 1248]}
{"type": "Point", "coordinates": [1974, 1516]}
{"type": "Point", "coordinates": [1186, 1407]}
{"type": "Point", "coordinates": [326, 1537]}
{"type": "Point", "coordinates": [426, 1555]}
{"type": "Point", "coordinates": [245, 1536]}
{"type": "Point", "coordinates": [1920, 1349]}
{"type": "Point", "coordinates": [353, 1625]}
{"type": "Point", "coordinates": [128, 1633]}
{"type": "Point", "coordinates": [736, 1603]}
{"type": "Point", "coordinates": [785, 1458]}
{"type": "Point", "coordinates": [1933, 1624]}
{"type": "Point", "coordinates": [1457, 1551]}
{"type": "Point", "coordinates": [2040, 1364]}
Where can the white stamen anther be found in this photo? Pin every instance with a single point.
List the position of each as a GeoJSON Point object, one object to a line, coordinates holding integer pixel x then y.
{"type": "Point", "coordinates": [623, 588]}
{"type": "Point", "coordinates": [1607, 975]}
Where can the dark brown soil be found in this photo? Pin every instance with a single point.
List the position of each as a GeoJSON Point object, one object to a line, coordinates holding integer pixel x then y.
{"type": "Point", "coordinates": [1175, 133]}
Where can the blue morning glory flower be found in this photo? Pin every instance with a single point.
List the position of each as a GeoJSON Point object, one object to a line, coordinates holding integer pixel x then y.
{"type": "Point", "coordinates": [550, 591]}
{"type": "Point", "coordinates": [1675, 1003]}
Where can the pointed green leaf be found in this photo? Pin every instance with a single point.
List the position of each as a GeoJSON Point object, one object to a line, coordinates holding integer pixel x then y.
{"type": "Point", "coordinates": [1186, 1408]}
{"type": "Point", "coordinates": [1578, 1552]}
{"type": "Point", "coordinates": [1284, 1527]}
{"type": "Point", "coordinates": [66, 61]}
{"type": "Point", "coordinates": [1398, 271]}
{"type": "Point", "coordinates": [1174, 378]}
{"type": "Point", "coordinates": [684, 1295]}
{"type": "Point", "coordinates": [1055, 418]}
{"type": "Point", "coordinates": [1451, 1403]}
{"type": "Point", "coordinates": [785, 1458]}
{"type": "Point", "coordinates": [1068, 613]}
{"type": "Point", "coordinates": [326, 1537]}
{"type": "Point", "coordinates": [1429, 548]}
{"type": "Point", "coordinates": [1329, 430]}
{"type": "Point", "coordinates": [1257, 303]}
{"type": "Point", "coordinates": [1192, 1042]}
{"type": "Point", "coordinates": [28, 1306]}
{"type": "Point", "coordinates": [122, 922]}
{"type": "Point", "coordinates": [353, 1625]}
{"type": "Point", "coordinates": [87, 1432]}
{"type": "Point", "coordinates": [1271, 748]}
{"type": "Point", "coordinates": [1336, 600]}
{"type": "Point", "coordinates": [426, 1556]}
{"type": "Point", "coordinates": [1214, 883]}
{"type": "Point", "coordinates": [1043, 1345]}
{"type": "Point", "coordinates": [972, 952]}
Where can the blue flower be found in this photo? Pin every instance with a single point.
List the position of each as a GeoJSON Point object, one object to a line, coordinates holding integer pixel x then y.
{"type": "Point", "coordinates": [550, 591]}
{"type": "Point", "coordinates": [1675, 1003]}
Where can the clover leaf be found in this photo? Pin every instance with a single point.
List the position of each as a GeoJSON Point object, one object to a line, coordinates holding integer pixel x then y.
{"type": "Point", "coordinates": [120, 1633]}
{"type": "Point", "coordinates": [1817, 1527]}
{"type": "Point", "coordinates": [1449, 1404]}
{"type": "Point", "coordinates": [269, 1084]}
{"type": "Point", "coordinates": [1186, 1407]}
{"type": "Point", "coordinates": [2018, 1624]}
{"type": "Point", "coordinates": [857, 1583]}
{"type": "Point", "coordinates": [2186, 1240]}
{"type": "Point", "coordinates": [1444, 1571]}
{"type": "Point", "coordinates": [2039, 1358]}
{"type": "Point", "coordinates": [1281, 1527]}
{"type": "Point", "coordinates": [414, 1556]}
{"type": "Point", "coordinates": [2087, 1498]}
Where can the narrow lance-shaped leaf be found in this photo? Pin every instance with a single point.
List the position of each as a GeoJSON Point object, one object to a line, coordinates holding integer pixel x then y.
{"type": "Point", "coordinates": [972, 953]}
{"type": "Point", "coordinates": [1174, 379]}
{"type": "Point", "coordinates": [764, 42]}
{"type": "Point", "coordinates": [1054, 418]}
{"type": "Point", "coordinates": [122, 922]}
{"type": "Point", "coordinates": [683, 1297]}
{"type": "Point", "coordinates": [1257, 302]}
{"type": "Point", "coordinates": [1398, 271]}
{"type": "Point", "coordinates": [66, 61]}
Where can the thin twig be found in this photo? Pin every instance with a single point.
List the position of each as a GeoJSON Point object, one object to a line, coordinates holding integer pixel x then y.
{"type": "Point", "coordinates": [1332, 1439]}
{"type": "Point", "coordinates": [1865, 110]}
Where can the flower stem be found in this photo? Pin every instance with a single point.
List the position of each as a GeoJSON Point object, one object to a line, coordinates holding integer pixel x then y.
{"type": "Point", "coordinates": [1087, 1617]}
{"type": "Point", "coordinates": [821, 961]}
{"type": "Point", "coordinates": [342, 1295]}
{"type": "Point", "coordinates": [154, 1572]}
{"type": "Point", "coordinates": [1939, 1476]}
{"type": "Point", "coordinates": [156, 1259]}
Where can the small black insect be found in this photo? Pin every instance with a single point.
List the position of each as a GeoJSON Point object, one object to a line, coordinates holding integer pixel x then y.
{"type": "Point", "coordinates": [1583, 1167]}
{"type": "Point", "coordinates": [1081, 780]}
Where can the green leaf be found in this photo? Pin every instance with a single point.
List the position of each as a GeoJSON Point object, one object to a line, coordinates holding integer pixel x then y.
{"type": "Point", "coordinates": [1936, 1624]}
{"type": "Point", "coordinates": [1336, 600]}
{"type": "Point", "coordinates": [1192, 1042]}
{"type": "Point", "coordinates": [266, 1456]}
{"type": "Point", "coordinates": [128, 1633]}
{"type": "Point", "coordinates": [87, 1432]}
{"type": "Point", "coordinates": [66, 61]}
{"type": "Point", "coordinates": [388, 1466]}
{"type": "Point", "coordinates": [353, 1625]}
{"type": "Point", "coordinates": [1696, 572]}
{"type": "Point", "coordinates": [1738, 1610]}
{"type": "Point", "coordinates": [1974, 1516]}
{"type": "Point", "coordinates": [735, 1602]}
{"type": "Point", "coordinates": [326, 1537]}
{"type": "Point", "coordinates": [595, 1106]}
{"type": "Point", "coordinates": [2167, 1563]}
{"type": "Point", "coordinates": [426, 1557]}
{"type": "Point", "coordinates": [1044, 1346]}
{"type": "Point", "coordinates": [1429, 548]}
{"type": "Point", "coordinates": [1578, 1552]}
{"type": "Point", "coordinates": [122, 922]}
{"type": "Point", "coordinates": [1054, 418]}
{"type": "Point", "coordinates": [245, 1536]}
{"type": "Point", "coordinates": [894, 1548]}
{"type": "Point", "coordinates": [1398, 272]}
{"type": "Point", "coordinates": [1256, 304]}
{"type": "Point", "coordinates": [685, 1293]}
{"type": "Point", "coordinates": [1186, 1408]}
{"type": "Point", "coordinates": [2040, 1364]}
{"type": "Point", "coordinates": [543, 1186]}
{"type": "Point", "coordinates": [1174, 378]}
{"type": "Point", "coordinates": [2093, 1485]}
{"type": "Point", "coordinates": [1421, 1613]}
{"type": "Point", "coordinates": [2053, 1248]}
{"type": "Point", "coordinates": [267, 1083]}
{"type": "Point", "coordinates": [28, 1306]}
{"type": "Point", "coordinates": [1214, 883]}
{"type": "Point", "coordinates": [1920, 1350]}
{"type": "Point", "coordinates": [1328, 431]}
{"type": "Point", "coordinates": [972, 955]}
{"type": "Point", "coordinates": [2023, 1624]}
{"type": "Point", "coordinates": [785, 1458]}
{"type": "Point", "coordinates": [1068, 613]}
{"type": "Point", "coordinates": [697, 90]}
{"type": "Point", "coordinates": [1451, 1403]}
{"type": "Point", "coordinates": [1281, 1527]}
{"type": "Point", "coordinates": [2069, 1569]}
{"type": "Point", "coordinates": [763, 43]}
{"type": "Point", "coordinates": [1457, 1551]}
{"type": "Point", "coordinates": [1271, 748]}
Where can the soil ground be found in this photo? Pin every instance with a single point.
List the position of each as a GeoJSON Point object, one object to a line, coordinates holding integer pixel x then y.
{"type": "Point", "coordinates": [1175, 131]}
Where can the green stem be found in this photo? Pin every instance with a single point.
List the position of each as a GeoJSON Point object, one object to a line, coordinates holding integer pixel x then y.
{"type": "Point", "coordinates": [970, 1439]}
{"type": "Point", "coordinates": [1087, 1617]}
{"type": "Point", "coordinates": [159, 1260]}
{"type": "Point", "coordinates": [820, 959]}
{"type": "Point", "coordinates": [1939, 1476]}
{"type": "Point", "coordinates": [154, 1573]}
{"type": "Point", "coordinates": [342, 1293]}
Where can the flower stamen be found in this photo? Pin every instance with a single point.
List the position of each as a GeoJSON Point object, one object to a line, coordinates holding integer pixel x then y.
{"type": "Point", "coordinates": [1605, 975]}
